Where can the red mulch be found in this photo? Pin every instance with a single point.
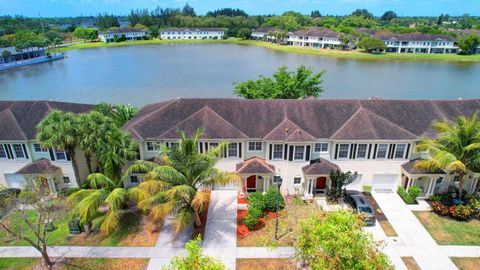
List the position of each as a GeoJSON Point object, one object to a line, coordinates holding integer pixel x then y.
{"type": "Point", "coordinates": [242, 200]}
{"type": "Point", "coordinates": [243, 230]}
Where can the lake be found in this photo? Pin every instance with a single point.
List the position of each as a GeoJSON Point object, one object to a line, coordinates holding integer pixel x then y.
{"type": "Point", "coordinates": [149, 73]}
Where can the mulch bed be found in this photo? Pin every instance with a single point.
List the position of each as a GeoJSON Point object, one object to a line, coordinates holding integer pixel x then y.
{"type": "Point", "coordinates": [243, 230]}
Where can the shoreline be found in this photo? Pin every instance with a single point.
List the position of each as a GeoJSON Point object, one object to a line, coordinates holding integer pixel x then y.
{"type": "Point", "coordinates": [355, 55]}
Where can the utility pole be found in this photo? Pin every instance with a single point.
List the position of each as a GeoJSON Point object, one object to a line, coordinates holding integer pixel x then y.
{"type": "Point", "coordinates": [41, 22]}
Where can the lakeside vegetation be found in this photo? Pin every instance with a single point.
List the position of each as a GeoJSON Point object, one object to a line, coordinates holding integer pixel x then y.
{"type": "Point", "coordinates": [356, 54]}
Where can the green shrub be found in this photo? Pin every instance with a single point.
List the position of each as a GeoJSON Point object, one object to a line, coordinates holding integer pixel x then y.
{"type": "Point", "coordinates": [405, 196]}
{"type": "Point", "coordinates": [270, 199]}
{"type": "Point", "coordinates": [367, 188]}
{"type": "Point", "coordinates": [461, 212]}
{"type": "Point", "coordinates": [413, 192]}
{"type": "Point", "coordinates": [67, 192]}
{"type": "Point", "coordinates": [252, 219]}
{"type": "Point", "coordinates": [256, 200]}
{"type": "Point", "coordinates": [474, 204]}
{"type": "Point", "coordinates": [438, 198]}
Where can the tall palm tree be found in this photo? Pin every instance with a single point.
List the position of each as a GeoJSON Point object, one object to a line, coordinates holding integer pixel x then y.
{"type": "Point", "coordinates": [456, 149]}
{"type": "Point", "coordinates": [59, 130]}
{"type": "Point", "coordinates": [179, 187]}
{"type": "Point", "coordinates": [114, 152]}
{"type": "Point", "coordinates": [104, 201]}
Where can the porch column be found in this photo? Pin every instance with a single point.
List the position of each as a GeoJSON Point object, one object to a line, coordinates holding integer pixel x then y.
{"type": "Point", "coordinates": [431, 186]}
{"type": "Point", "coordinates": [244, 186]}
{"type": "Point", "coordinates": [265, 180]}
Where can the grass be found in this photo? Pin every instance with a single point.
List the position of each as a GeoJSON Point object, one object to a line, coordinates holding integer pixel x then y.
{"type": "Point", "coordinates": [447, 231]}
{"type": "Point", "coordinates": [133, 231]}
{"type": "Point", "coordinates": [76, 263]}
{"type": "Point", "coordinates": [265, 264]}
{"type": "Point", "coordinates": [410, 263]}
{"type": "Point", "coordinates": [295, 211]}
{"type": "Point", "coordinates": [466, 263]}
{"type": "Point", "coordinates": [357, 54]}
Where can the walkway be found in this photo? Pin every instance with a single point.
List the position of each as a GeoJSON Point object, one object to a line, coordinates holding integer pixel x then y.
{"type": "Point", "coordinates": [220, 238]}
{"type": "Point", "coordinates": [414, 240]}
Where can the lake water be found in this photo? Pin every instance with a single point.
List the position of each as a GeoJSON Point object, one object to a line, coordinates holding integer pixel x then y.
{"type": "Point", "coordinates": [150, 73]}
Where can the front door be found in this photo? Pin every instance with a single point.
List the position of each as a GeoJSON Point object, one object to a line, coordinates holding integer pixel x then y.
{"type": "Point", "coordinates": [251, 183]}
{"type": "Point", "coordinates": [321, 184]}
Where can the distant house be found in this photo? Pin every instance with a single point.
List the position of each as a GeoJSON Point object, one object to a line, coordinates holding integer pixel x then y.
{"type": "Point", "coordinates": [259, 33]}
{"type": "Point", "coordinates": [315, 37]}
{"type": "Point", "coordinates": [192, 33]}
{"type": "Point", "coordinates": [129, 34]}
{"type": "Point", "coordinates": [419, 43]}
{"type": "Point", "coordinates": [25, 54]}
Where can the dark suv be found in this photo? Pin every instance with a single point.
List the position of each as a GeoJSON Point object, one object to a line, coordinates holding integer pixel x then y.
{"type": "Point", "coordinates": [360, 204]}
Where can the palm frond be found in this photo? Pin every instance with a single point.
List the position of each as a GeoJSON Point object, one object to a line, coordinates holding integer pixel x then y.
{"type": "Point", "coordinates": [183, 219]}
{"type": "Point", "coordinates": [166, 173]}
{"type": "Point", "coordinates": [140, 166]}
{"type": "Point", "coordinates": [200, 199]}
{"type": "Point", "coordinates": [99, 180]}
{"type": "Point", "coordinates": [427, 165]}
{"type": "Point", "coordinates": [76, 197]}
{"type": "Point", "coordinates": [117, 199]}
{"type": "Point", "coordinates": [153, 186]}
{"type": "Point", "coordinates": [88, 208]}
{"type": "Point", "coordinates": [137, 194]}
{"type": "Point", "coordinates": [110, 222]}
{"type": "Point", "coordinates": [152, 200]}
{"type": "Point", "coordinates": [161, 211]}
{"type": "Point", "coordinates": [457, 167]}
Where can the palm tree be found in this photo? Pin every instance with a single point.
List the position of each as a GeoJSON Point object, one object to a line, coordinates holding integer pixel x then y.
{"type": "Point", "coordinates": [456, 149]}
{"type": "Point", "coordinates": [59, 130]}
{"type": "Point", "coordinates": [104, 201]}
{"type": "Point", "coordinates": [180, 185]}
{"type": "Point", "coordinates": [114, 151]}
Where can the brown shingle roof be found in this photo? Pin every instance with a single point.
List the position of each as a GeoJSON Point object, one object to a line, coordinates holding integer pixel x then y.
{"type": "Point", "coordinates": [321, 119]}
{"type": "Point", "coordinates": [41, 166]}
{"type": "Point", "coordinates": [320, 167]}
{"type": "Point", "coordinates": [19, 119]}
{"type": "Point", "coordinates": [316, 32]}
{"type": "Point", "coordinates": [410, 168]}
{"type": "Point", "coordinates": [255, 165]}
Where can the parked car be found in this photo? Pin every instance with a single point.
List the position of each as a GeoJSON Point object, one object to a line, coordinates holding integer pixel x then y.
{"type": "Point", "coordinates": [360, 204]}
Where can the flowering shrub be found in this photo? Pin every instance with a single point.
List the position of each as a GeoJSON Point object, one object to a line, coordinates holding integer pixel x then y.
{"type": "Point", "coordinates": [474, 204]}
{"type": "Point", "coordinates": [440, 209]}
{"type": "Point", "coordinates": [461, 212]}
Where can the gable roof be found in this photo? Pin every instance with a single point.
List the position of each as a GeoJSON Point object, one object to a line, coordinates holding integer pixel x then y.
{"type": "Point", "coordinates": [320, 167]}
{"type": "Point", "coordinates": [41, 166]}
{"type": "Point", "coordinates": [306, 119]}
{"type": "Point", "coordinates": [411, 169]}
{"type": "Point", "coordinates": [255, 165]}
{"type": "Point", "coordinates": [20, 118]}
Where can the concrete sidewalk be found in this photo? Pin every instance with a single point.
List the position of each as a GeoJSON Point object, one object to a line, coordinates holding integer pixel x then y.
{"type": "Point", "coordinates": [80, 252]}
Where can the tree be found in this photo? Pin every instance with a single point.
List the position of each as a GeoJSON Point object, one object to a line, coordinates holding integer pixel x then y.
{"type": "Point", "coordinates": [388, 16]}
{"type": "Point", "coordinates": [230, 12]}
{"type": "Point", "coordinates": [285, 84]}
{"type": "Point", "coordinates": [456, 149]}
{"type": "Point", "coordinates": [6, 54]}
{"type": "Point", "coordinates": [244, 33]}
{"type": "Point", "coordinates": [85, 33]}
{"type": "Point", "coordinates": [194, 259]}
{"type": "Point", "coordinates": [469, 43]}
{"type": "Point", "coordinates": [106, 21]}
{"type": "Point", "coordinates": [348, 41]}
{"type": "Point", "coordinates": [178, 186]}
{"type": "Point", "coordinates": [364, 13]}
{"type": "Point", "coordinates": [36, 216]}
{"type": "Point", "coordinates": [315, 14]}
{"type": "Point", "coordinates": [371, 44]}
{"type": "Point", "coordinates": [115, 151]}
{"type": "Point", "coordinates": [338, 181]}
{"type": "Point", "coordinates": [154, 31]}
{"type": "Point", "coordinates": [59, 130]}
{"type": "Point", "coordinates": [187, 10]}
{"type": "Point", "coordinates": [338, 241]}
{"type": "Point", "coordinates": [54, 37]}
{"type": "Point", "coordinates": [120, 113]}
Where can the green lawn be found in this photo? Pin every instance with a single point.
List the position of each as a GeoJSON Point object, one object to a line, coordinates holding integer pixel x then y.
{"type": "Point", "coordinates": [18, 263]}
{"type": "Point", "coordinates": [76, 263]}
{"type": "Point", "coordinates": [447, 231]}
{"type": "Point", "coordinates": [293, 49]}
{"type": "Point", "coordinates": [466, 263]}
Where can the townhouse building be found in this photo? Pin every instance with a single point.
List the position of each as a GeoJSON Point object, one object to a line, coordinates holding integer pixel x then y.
{"type": "Point", "coordinates": [192, 33]}
{"type": "Point", "coordinates": [419, 43]}
{"type": "Point", "coordinates": [261, 33]}
{"type": "Point", "coordinates": [130, 34]}
{"type": "Point", "coordinates": [22, 158]}
{"type": "Point", "coordinates": [304, 140]}
{"type": "Point", "coordinates": [314, 37]}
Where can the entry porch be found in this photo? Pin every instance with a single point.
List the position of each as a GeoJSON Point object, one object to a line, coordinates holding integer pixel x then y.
{"type": "Point", "coordinates": [257, 175]}
{"type": "Point", "coordinates": [42, 174]}
{"type": "Point", "coordinates": [317, 177]}
{"type": "Point", "coordinates": [429, 182]}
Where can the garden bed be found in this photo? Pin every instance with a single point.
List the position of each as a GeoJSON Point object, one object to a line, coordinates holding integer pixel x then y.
{"type": "Point", "coordinates": [381, 218]}
{"type": "Point", "coordinates": [265, 264]}
{"type": "Point", "coordinates": [466, 263]}
{"type": "Point", "coordinates": [410, 263]}
{"type": "Point", "coordinates": [243, 230]}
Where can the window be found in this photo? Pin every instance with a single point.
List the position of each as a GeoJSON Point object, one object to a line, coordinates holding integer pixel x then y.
{"type": "Point", "coordinates": [233, 150]}
{"type": "Point", "coordinates": [382, 150]}
{"type": "Point", "coordinates": [66, 180]}
{"type": "Point", "coordinates": [297, 181]}
{"type": "Point", "coordinates": [321, 147]}
{"type": "Point", "coordinates": [278, 151]}
{"type": "Point", "coordinates": [18, 151]}
{"type": "Point", "coordinates": [60, 155]}
{"type": "Point", "coordinates": [172, 145]}
{"type": "Point", "coordinates": [362, 150]}
{"type": "Point", "coordinates": [133, 179]}
{"type": "Point", "coordinates": [343, 150]}
{"type": "Point", "coordinates": [255, 146]}
{"type": "Point", "coordinates": [299, 152]}
{"type": "Point", "coordinates": [153, 146]}
{"type": "Point", "coordinates": [3, 151]}
{"type": "Point", "coordinates": [213, 144]}
{"type": "Point", "coordinates": [400, 151]}
{"type": "Point", "coordinates": [38, 148]}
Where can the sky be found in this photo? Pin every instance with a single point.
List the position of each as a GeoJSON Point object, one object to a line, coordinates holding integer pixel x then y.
{"type": "Point", "coordinates": [60, 8]}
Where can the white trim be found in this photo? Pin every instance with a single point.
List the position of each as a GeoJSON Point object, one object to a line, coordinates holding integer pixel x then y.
{"type": "Point", "coordinates": [273, 151]}
{"type": "Point", "coordinates": [303, 154]}
{"type": "Point", "coordinates": [386, 151]}
{"type": "Point", "coordinates": [348, 151]}
{"type": "Point", "coordinates": [255, 145]}
{"type": "Point", "coordinates": [314, 146]}
{"type": "Point", "coordinates": [404, 151]}
{"type": "Point", "coordinates": [366, 151]}
{"type": "Point", "coordinates": [15, 154]}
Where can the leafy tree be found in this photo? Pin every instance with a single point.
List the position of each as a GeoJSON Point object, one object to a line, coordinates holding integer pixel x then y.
{"type": "Point", "coordinates": [371, 44]}
{"type": "Point", "coordinates": [348, 41]}
{"type": "Point", "coordinates": [54, 37]}
{"type": "Point", "coordinates": [154, 31]}
{"type": "Point", "coordinates": [120, 113]}
{"type": "Point", "coordinates": [230, 12]}
{"type": "Point", "coordinates": [106, 21]}
{"type": "Point", "coordinates": [364, 13]}
{"type": "Point", "coordinates": [358, 22]}
{"type": "Point", "coordinates": [35, 229]}
{"type": "Point", "coordinates": [289, 21]}
{"type": "Point", "coordinates": [285, 84]}
{"type": "Point", "coordinates": [469, 43]}
{"type": "Point", "coordinates": [456, 149]}
{"type": "Point", "coordinates": [388, 16]}
{"type": "Point", "coordinates": [6, 54]}
{"type": "Point", "coordinates": [194, 259]}
{"type": "Point", "coordinates": [338, 241]}
{"type": "Point", "coordinates": [338, 181]}
{"type": "Point", "coordinates": [178, 186]}
{"type": "Point", "coordinates": [85, 33]}
{"type": "Point", "coordinates": [187, 10]}
{"type": "Point", "coordinates": [244, 33]}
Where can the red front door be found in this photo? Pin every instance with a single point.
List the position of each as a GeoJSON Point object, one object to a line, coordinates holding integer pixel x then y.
{"type": "Point", "coordinates": [251, 183]}
{"type": "Point", "coordinates": [321, 182]}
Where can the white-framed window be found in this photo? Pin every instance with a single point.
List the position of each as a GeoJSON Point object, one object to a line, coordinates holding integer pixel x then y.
{"type": "Point", "coordinates": [400, 150]}
{"type": "Point", "coordinates": [3, 151]}
{"type": "Point", "coordinates": [153, 146]}
{"type": "Point", "coordinates": [382, 150]}
{"type": "Point", "coordinates": [299, 152]}
{"type": "Point", "coordinates": [212, 145]}
{"type": "Point", "coordinates": [18, 150]}
{"type": "Point", "coordinates": [66, 180]}
{"type": "Point", "coordinates": [254, 146]}
{"type": "Point", "coordinates": [320, 148]}
{"type": "Point", "coordinates": [343, 150]}
{"type": "Point", "coordinates": [277, 151]}
{"type": "Point", "coordinates": [60, 155]}
{"type": "Point", "coordinates": [133, 179]}
{"type": "Point", "coordinates": [38, 148]}
{"type": "Point", "coordinates": [297, 180]}
{"type": "Point", "coordinates": [362, 150]}
{"type": "Point", "coordinates": [172, 144]}
{"type": "Point", "coordinates": [232, 150]}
